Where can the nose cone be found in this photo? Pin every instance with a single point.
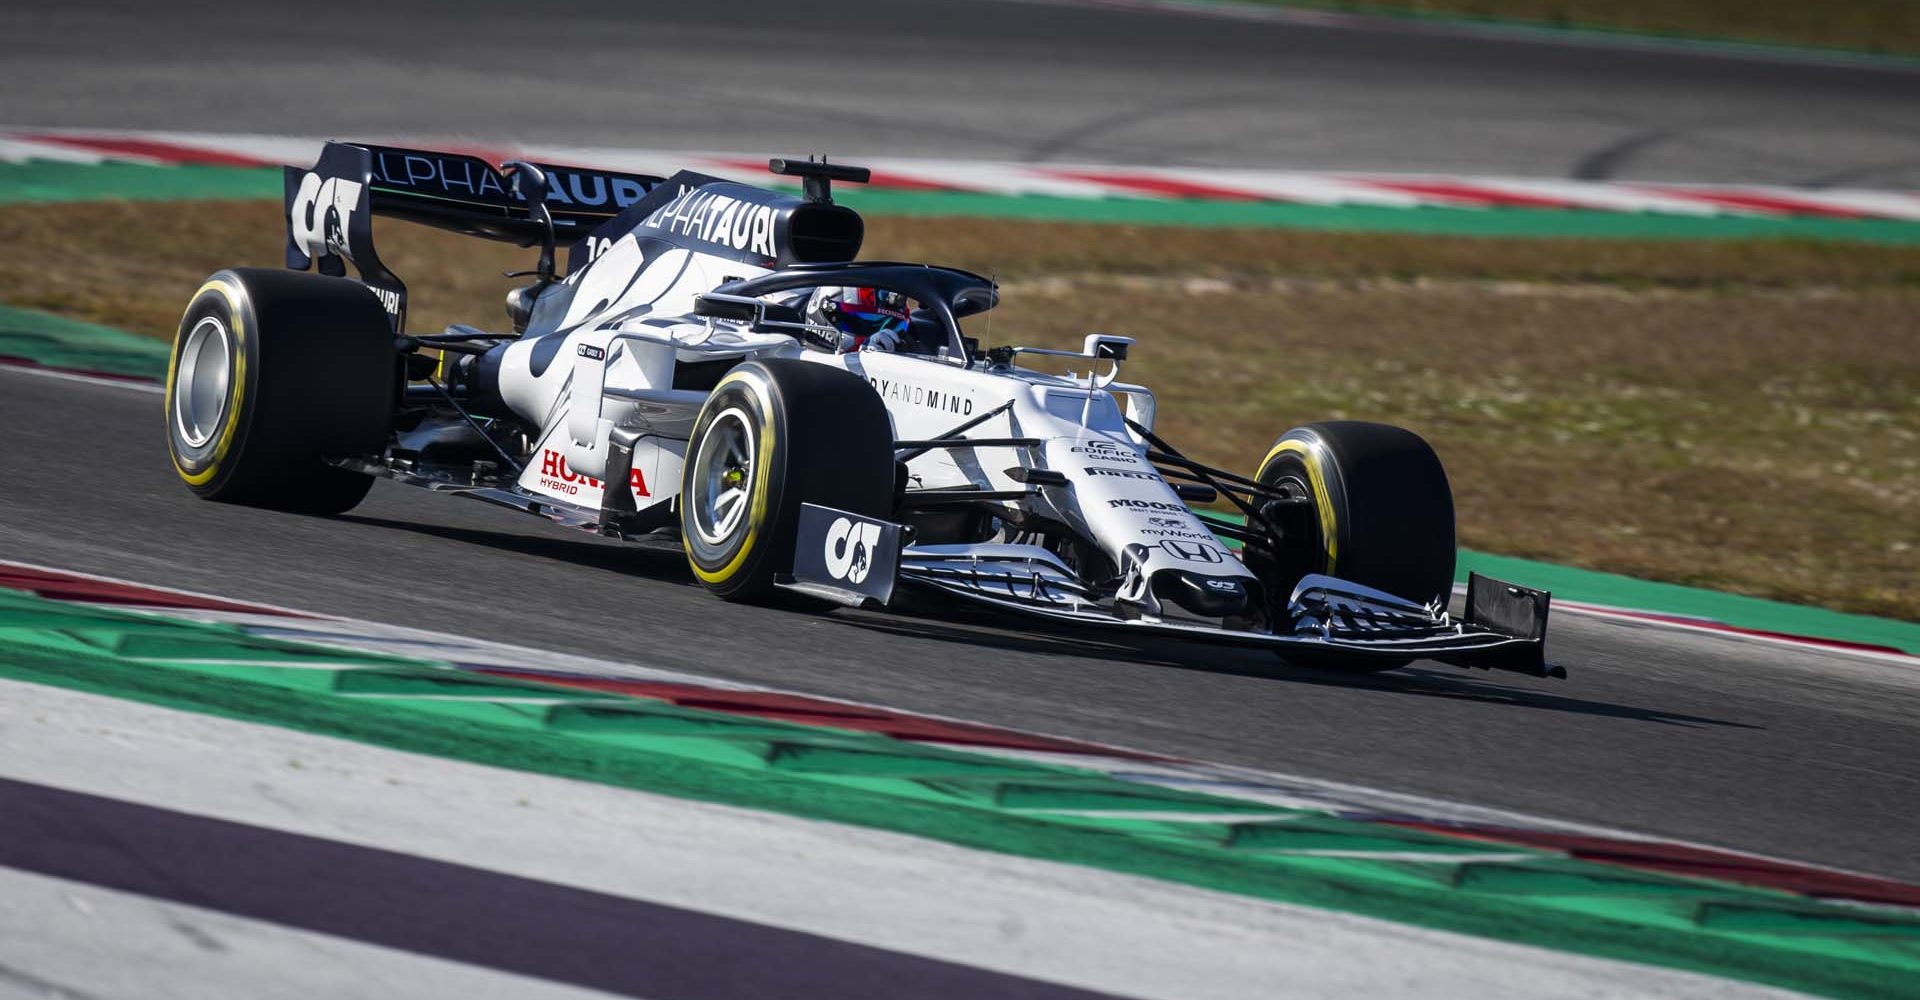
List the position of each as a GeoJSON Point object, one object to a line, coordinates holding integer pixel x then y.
{"type": "Point", "coordinates": [1206, 596]}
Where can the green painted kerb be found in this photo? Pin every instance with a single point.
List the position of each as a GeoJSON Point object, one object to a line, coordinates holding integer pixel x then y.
{"type": "Point", "coordinates": [1591, 587]}
{"type": "Point", "coordinates": [976, 800]}
{"type": "Point", "coordinates": [1586, 586]}
{"type": "Point", "coordinates": [58, 342]}
{"type": "Point", "coordinates": [41, 181]}
{"type": "Point", "coordinates": [1533, 223]}
{"type": "Point", "coordinates": [46, 180]}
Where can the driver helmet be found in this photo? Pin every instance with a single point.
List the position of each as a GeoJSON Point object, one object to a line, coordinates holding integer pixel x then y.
{"type": "Point", "coordinates": [859, 313]}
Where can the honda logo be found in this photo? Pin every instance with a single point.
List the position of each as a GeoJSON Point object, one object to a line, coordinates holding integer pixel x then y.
{"type": "Point", "coordinates": [1192, 551]}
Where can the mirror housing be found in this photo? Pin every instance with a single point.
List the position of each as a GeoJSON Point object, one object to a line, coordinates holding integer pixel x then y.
{"type": "Point", "coordinates": [530, 183]}
{"type": "Point", "coordinates": [520, 303]}
{"type": "Point", "coordinates": [1106, 345]}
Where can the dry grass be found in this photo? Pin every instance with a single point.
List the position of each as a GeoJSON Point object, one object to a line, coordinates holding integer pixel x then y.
{"type": "Point", "coordinates": [1874, 25]}
{"type": "Point", "coordinates": [1738, 415]}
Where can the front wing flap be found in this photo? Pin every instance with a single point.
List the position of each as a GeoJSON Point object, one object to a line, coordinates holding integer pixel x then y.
{"type": "Point", "coordinates": [1504, 627]}
{"type": "Point", "coordinates": [1461, 643]}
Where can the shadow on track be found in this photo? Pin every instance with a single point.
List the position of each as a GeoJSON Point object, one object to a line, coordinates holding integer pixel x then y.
{"type": "Point", "coordinates": [555, 543]}
{"type": "Point", "coordinates": [981, 629]}
{"type": "Point", "coordinates": [977, 630]}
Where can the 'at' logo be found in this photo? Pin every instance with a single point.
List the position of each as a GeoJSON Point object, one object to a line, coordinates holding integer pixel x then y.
{"type": "Point", "coordinates": [322, 213]}
{"type": "Point", "coordinates": [850, 549]}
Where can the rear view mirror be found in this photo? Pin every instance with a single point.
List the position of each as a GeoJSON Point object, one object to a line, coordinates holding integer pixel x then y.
{"type": "Point", "coordinates": [530, 183]}
{"type": "Point", "coordinates": [1106, 345]}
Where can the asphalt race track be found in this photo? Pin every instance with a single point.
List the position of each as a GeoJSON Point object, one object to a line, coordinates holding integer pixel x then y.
{"type": "Point", "coordinates": [1788, 752]}
{"type": "Point", "coordinates": [982, 79]}
{"type": "Point", "coordinates": [1794, 753]}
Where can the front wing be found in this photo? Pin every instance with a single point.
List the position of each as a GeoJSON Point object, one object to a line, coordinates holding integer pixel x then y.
{"type": "Point", "coordinates": [1503, 626]}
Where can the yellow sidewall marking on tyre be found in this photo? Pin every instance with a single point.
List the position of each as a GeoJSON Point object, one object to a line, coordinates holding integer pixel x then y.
{"type": "Point", "coordinates": [757, 513]}
{"type": "Point", "coordinates": [1316, 478]}
{"type": "Point", "coordinates": [238, 327]}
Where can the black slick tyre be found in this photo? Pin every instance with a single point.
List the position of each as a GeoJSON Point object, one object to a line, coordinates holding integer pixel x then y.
{"type": "Point", "coordinates": [773, 435]}
{"type": "Point", "coordinates": [1381, 512]}
{"type": "Point", "coordinates": [272, 372]}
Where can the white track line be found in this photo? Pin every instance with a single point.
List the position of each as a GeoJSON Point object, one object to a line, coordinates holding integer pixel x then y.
{"type": "Point", "coordinates": [153, 388]}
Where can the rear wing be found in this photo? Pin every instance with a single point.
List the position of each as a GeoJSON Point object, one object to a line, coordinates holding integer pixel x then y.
{"type": "Point", "coordinates": [330, 207]}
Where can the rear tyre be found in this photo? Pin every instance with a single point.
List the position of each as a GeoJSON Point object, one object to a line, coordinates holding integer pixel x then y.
{"type": "Point", "coordinates": [1381, 513]}
{"type": "Point", "coordinates": [272, 372]}
{"type": "Point", "coordinates": [773, 435]}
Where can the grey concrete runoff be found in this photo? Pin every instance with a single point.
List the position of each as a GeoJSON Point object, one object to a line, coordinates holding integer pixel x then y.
{"type": "Point", "coordinates": [985, 79]}
{"type": "Point", "coordinates": [1793, 753]}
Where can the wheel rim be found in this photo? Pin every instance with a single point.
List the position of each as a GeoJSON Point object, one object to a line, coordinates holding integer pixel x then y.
{"type": "Point", "coordinates": [202, 386]}
{"type": "Point", "coordinates": [723, 477]}
{"type": "Point", "coordinates": [1294, 487]}
{"type": "Point", "coordinates": [1292, 483]}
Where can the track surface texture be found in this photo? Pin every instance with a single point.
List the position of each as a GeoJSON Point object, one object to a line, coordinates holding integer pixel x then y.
{"type": "Point", "coordinates": [986, 79]}
{"type": "Point", "coordinates": [1789, 752]}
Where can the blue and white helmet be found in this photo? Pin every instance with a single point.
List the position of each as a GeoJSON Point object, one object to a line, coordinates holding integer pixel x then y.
{"type": "Point", "coordinates": [862, 315]}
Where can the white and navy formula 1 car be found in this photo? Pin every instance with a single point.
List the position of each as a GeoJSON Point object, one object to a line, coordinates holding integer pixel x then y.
{"type": "Point", "coordinates": [665, 389]}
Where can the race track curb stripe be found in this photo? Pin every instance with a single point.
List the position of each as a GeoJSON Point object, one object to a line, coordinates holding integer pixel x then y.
{"type": "Point", "coordinates": [1671, 604]}
{"type": "Point", "coordinates": [31, 337]}
{"type": "Point", "coordinates": [66, 165]}
{"type": "Point", "coordinates": [45, 181]}
{"type": "Point", "coordinates": [1273, 792]}
{"type": "Point", "coordinates": [1541, 895]}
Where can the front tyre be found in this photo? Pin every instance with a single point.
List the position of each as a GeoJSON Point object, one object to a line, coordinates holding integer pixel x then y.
{"type": "Point", "coordinates": [272, 372]}
{"type": "Point", "coordinates": [1382, 510]}
{"type": "Point", "coordinates": [773, 435]}
{"type": "Point", "coordinates": [1378, 512]}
